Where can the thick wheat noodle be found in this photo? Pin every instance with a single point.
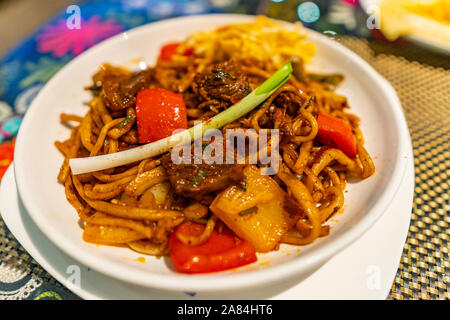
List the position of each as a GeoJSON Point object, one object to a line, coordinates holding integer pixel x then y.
{"type": "Point", "coordinates": [289, 155]}
{"type": "Point", "coordinates": [100, 218]}
{"type": "Point", "coordinates": [85, 132]}
{"type": "Point", "coordinates": [113, 145]}
{"type": "Point", "coordinates": [101, 138]}
{"type": "Point", "coordinates": [69, 142]}
{"type": "Point", "coordinates": [145, 181]}
{"type": "Point", "coordinates": [205, 104]}
{"type": "Point", "coordinates": [116, 133]}
{"type": "Point", "coordinates": [254, 119]}
{"type": "Point", "coordinates": [314, 128]}
{"type": "Point", "coordinates": [103, 177]}
{"type": "Point", "coordinates": [141, 166]}
{"type": "Point", "coordinates": [98, 104]}
{"type": "Point", "coordinates": [195, 211]}
{"type": "Point", "coordinates": [256, 72]}
{"type": "Point", "coordinates": [129, 212]}
{"type": "Point", "coordinates": [366, 161]}
{"type": "Point", "coordinates": [303, 156]}
{"type": "Point", "coordinates": [147, 246]}
{"type": "Point", "coordinates": [108, 187]}
{"type": "Point", "coordinates": [265, 152]}
{"type": "Point", "coordinates": [343, 180]}
{"type": "Point", "coordinates": [108, 235]}
{"type": "Point", "coordinates": [363, 160]}
{"type": "Point", "coordinates": [96, 120]}
{"type": "Point", "coordinates": [131, 137]}
{"type": "Point", "coordinates": [62, 147]}
{"type": "Point", "coordinates": [262, 152]}
{"type": "Point", "coordinates": [312, 181]}
{"type": "Point", "coordinates": [95, 195]}
{"type": "Point", "coordinates": [64, 117]}
{"type": "Point", "coordinates": [194, 113]}
{"type": "Point", "coordinates": [147, 200]}
{"type": "Point", "coordinates": [305, 200]}
{"type": "Point", "coordinates": [338, 202]}
{"type": "Point", "coordinates": [73, 199]}
{"type": "Point", "coordinates": [94, 108]}
{"type": "Point", "coordinates": [122, 197]}
{"type": "Point", "coordinates": [331, 155]}
{"type": "Point", "coordinates": [65, 169]}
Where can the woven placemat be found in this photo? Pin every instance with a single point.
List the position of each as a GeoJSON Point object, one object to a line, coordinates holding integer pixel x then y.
{"type": "Point", "coordinates": [424, 91]}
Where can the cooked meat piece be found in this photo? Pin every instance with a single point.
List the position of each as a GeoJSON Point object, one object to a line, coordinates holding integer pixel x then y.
{"type": "Point", "coordinates": [223, 82]}
{"type": "Point", "coordinates": [198, 180]}
{"type": "Point", "coordinates": [119, 91]}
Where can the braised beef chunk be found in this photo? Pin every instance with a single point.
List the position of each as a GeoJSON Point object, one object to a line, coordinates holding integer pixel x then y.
{"type": "Point", "coordinates": [198, 180]}
{"type": "Point", "coordinates": [225, 83]}
{"type": "Point", "coordinates": [119, 91]}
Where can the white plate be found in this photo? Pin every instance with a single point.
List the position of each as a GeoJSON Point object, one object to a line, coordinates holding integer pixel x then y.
{"type": "Point", "coordinates": [370, 5]}
{"type": "Point", "coordinates": [37, 162]}
{"type": "Point", "coordinates": [364, 270]}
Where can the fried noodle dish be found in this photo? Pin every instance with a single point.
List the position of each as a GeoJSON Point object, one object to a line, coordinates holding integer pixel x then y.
{"type": "Point", "coordinates": [205, 216]}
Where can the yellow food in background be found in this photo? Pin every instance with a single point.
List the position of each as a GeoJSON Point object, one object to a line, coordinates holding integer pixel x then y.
{"type": "Point", "coordinates": [438, 10]}
{"type": "Point", "coordinates": [263, 39]}
{"type": "Point", "coordinates": [427, 20]}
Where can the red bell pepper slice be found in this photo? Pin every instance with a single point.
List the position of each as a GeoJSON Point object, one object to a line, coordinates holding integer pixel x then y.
{"type": "Point", "coordinates": [168, 50]}
{"type": "Point", "coordinates": [222, 251]}
{"type": "Point", "coordinates": [158, 113]}
{"type": "Point", "coordinates": [335, 132]}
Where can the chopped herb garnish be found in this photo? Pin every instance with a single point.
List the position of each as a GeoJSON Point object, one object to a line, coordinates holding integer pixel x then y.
{"type": "Point", "coordinates": [224, 74]}
{"type": "Point", "coordinates": [242, 185]}
{"type": "Point", "coordinates": [198, 177]}
{"type": "Point", "coordinates": [126, 121]}
{"type": "Point", "coordinates": [248, 211]}
{"type": "Point", "coordinates": [217, 77]}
